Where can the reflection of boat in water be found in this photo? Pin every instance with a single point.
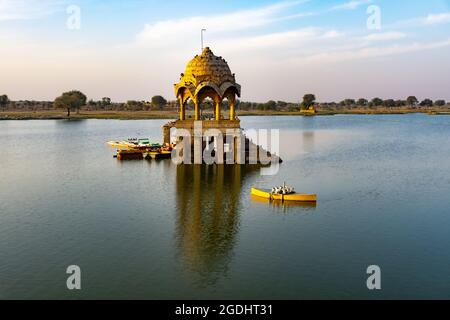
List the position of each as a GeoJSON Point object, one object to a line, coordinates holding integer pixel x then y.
{"type": "Point", "coordinates": [294, 197]}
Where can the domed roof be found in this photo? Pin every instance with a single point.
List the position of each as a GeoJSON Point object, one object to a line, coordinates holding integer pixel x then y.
{"type": "Point", "coordinates": [207, 69]}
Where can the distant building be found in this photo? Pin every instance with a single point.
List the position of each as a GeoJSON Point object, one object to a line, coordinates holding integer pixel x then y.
{"type": "Point", "coordinates": [309, 111]}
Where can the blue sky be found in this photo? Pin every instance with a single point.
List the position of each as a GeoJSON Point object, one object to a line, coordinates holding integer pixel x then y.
{"type": "Point", "coordinates": [278, 49]}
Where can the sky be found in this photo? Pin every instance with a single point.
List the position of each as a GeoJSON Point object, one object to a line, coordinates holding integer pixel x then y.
{"type": "Point", "coordinates": [279, 50]}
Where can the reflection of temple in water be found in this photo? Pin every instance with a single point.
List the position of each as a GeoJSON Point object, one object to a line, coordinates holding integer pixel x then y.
{"type": "Point", "coordinates": [308, 141]}
{"type": "Point", "coordinates": [208, 201]}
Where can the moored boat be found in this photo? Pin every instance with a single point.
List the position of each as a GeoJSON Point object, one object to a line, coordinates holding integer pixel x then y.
{"type": "Point", "coordinates": [129, 155]}
{"type": "Point", "coordinates": [133, 144]}
{"type": "Point", "coordinates": [139, 149]}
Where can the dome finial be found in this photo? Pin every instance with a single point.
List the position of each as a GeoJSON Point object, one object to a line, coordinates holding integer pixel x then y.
{"type": "Point", "coordinates": [206, 50]}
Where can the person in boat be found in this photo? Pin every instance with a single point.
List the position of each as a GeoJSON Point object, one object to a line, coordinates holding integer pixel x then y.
{"type": "Point", "coordinates": [284, 190]}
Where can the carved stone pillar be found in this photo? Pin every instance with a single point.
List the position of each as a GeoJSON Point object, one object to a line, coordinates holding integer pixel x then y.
{"type": "Point", "coordinates": [217, 110]}
{"type": "Point", "coordinates": [182, 110]}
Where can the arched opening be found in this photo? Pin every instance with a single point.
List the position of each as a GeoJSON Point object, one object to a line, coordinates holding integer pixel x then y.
{"type": "Point", "coordinates": [230, 101]}
{"type": "Point", "coordinates": [207, 109]}
{"type": "Point", "coordinates": [210, 94]}
{"type": "Point", "coordinates": [185, 101]}
{"type": "Point", "coordinates": [189, 107]}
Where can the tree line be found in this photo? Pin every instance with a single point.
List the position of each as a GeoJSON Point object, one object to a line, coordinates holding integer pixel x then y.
{"type": "Point", "coordinates": [75, 100]}
{"type": "Point", "coordinates": [411, 102]}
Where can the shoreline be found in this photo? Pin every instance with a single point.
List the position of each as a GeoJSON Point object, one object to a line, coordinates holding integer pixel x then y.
{"type": "Point", "coordinates": [171, 115]}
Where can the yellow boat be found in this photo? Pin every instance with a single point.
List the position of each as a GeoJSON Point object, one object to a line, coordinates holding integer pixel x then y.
{"type": "Point", "coordinates": [266, 194]}
{"type": "Point", "coordinates": [121, 144]}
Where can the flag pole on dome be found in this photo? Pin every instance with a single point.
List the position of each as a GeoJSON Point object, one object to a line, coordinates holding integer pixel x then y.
{"type": "Point", "coordinates": [203, 30]}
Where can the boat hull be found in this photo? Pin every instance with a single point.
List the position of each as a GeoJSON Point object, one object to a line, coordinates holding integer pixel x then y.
{"type": "Point", "coordinates": [298, 197]}
{"type": "Point", "coordinates": [129, 155]}
{"type": "Point", "coordinates": [160, 155]}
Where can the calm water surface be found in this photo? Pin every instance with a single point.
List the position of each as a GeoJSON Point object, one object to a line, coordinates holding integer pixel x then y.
{"type": "Point", "coordinates": [151, 230]}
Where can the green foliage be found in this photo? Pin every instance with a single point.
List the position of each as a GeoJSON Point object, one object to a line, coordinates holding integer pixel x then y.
{"type": "Point", "coordinates": [106, 101]}
{"type": "Point", "coordinates": [389, 103]}
{"type": "Point", "coordinates": [426, 103]}
{"type": "Point", "coordinates": [270, 105]}
{"type": "Point", "coordinates": [362, 102]}
{"type": "Point", "coordinates": [349, 102]}
{"type": "Point", "coordinates": [282, 104]}
{"type": "Point", "coordinates": [159, 102]}
{"type": "Point", "coordinates": [308, 101]}
{"type": "Point", "coordinates": [377, 102]}
{"type": "Point", "coordinates": [134, 105]}
{"type": "Point", "coordinates": [440, 103]}
{"type": "Point", "coordinates": [400, 103]}
{"type": "Point", "coordinates": [412, 101]}
{"type": "Point", "coordinates": [72, 100]}
{"type": "Point", "coordinates": [4, 100]}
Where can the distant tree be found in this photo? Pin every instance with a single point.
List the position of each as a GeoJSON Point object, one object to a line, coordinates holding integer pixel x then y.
{"type": "Point", "coordinates": [225, 104]}
{"type": "Point", "coordinates": [440, 103]}
{"type": "Point", "coordinates": [106, 101]}
{"type": "Point", "coordinates": [173, 104]}
{"type": "Point", "coordinates": [281, 104]}
{"type": "Point", "coordinates": [243, 105]}
{"type": "Point", "coordinates": [349, 102]}
{"type": "Point", "coordinates": [412, 101]}
{"type": "Point", "coordinates": [134, 105]}
{"type": "Point", "coordinates": [389, 103]}
{"type": "Point", "coordinates": [362, 102]}
{"type": "Point", "coordinates": [377, 102]}
{"type": "Point", "coordinates": [426, 103]}
{"type": "Point", "coordinates": [72, 100]}
{"type": "Point", "coordinates": [4, 101]}
{"type": "Point", "coordinates": [308, 101]}
{"type": "Point", "coordinates": [159, 102]}
{"type": "Point", "coordinates": [270, 105]}
{"type": "Point", "coordinates": [400, 103]}
{"type": "Point", "coordinates": [91, 103]}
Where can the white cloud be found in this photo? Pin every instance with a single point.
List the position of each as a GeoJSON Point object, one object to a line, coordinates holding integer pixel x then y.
{"type": "Point", "coordinates": [437, 18]}
{"type": "Point", "coordinates": [333, 34]}
{"type": "Point", "coordinates": [27, 9]}
{"type": "Point", "coordinates": [351, 5]}
{"type": "Point", "coordinates": [385, 36]}
{"type": "Point", "coordinates": [271, 43]}
{"type": "Point", "coordinates": [374, 52]}
{"type": "Point", "coordinates": [170, 32]}
{"type": "Point", "coordinates": [429, 20]}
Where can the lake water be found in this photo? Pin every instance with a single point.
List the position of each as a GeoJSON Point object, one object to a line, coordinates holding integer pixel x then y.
{"type": "Point", "coordinates": [151, 230]}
